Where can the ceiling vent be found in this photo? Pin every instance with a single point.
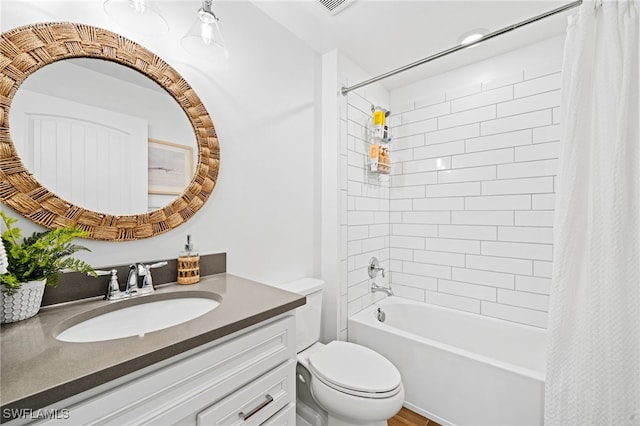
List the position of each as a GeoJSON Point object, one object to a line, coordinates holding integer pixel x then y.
{"type": "Point", "coordinates": [335, 6]}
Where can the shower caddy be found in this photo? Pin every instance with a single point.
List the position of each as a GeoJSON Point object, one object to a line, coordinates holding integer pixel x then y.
{"type": "Point", "coordinates": [378, 136]}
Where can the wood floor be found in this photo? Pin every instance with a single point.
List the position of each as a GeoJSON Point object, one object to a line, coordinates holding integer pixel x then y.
{"type": "Point", "coordinates": [407, 417]}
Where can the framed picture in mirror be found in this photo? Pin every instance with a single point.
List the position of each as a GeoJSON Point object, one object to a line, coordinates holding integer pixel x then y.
{"type": "Point", "coordinates": [170, 167]}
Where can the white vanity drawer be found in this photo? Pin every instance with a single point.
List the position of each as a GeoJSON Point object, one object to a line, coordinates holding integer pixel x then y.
{"type": "Point", "coordinates": [284, 417]}
{"type": "Point", "coordinates": [256, 402]}
{"type": "Point", "coordinates": [175, 393]}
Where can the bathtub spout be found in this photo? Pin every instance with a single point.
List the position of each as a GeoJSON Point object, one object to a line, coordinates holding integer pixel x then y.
{"type": "Point", "coordinates": [375, 287]}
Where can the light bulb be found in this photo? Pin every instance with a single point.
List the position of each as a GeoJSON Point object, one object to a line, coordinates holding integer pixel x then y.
{"type": "Point", "coordinates": [204, 38]}
{"type": "Point", "coordinates": [207, 20]}
{"type": "Point", "coordinates": [206, 33]}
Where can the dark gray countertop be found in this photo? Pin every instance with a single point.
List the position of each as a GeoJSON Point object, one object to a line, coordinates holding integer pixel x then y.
{"type": "Point", "coordinates": [37, 370]}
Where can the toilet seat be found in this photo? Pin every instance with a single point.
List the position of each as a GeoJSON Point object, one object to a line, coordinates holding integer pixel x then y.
{"type": "Point", "coordinates": [355, 370]}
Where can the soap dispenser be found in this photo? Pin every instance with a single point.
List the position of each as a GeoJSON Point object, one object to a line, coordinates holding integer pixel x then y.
{"type": "Point", "coordinates": [188, 264]}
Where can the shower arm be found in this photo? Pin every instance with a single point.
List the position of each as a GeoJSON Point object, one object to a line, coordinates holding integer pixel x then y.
{"type": "Point", "coordinates": [344, 90]}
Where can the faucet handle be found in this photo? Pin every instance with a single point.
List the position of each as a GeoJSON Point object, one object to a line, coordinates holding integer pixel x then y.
{"type": "Point", "coordinates": [113, 289]}
{"type": "Point", "coordinates": [374, 267]}
{"type": "Point", "coordinates": [143, 269]}
{"type": "Point", "coordinates": [158, 264]}
{"type": "Point", "coordinates": [147, 281]}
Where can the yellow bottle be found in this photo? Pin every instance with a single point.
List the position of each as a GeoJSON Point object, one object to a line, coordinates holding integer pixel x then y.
{"type": "Point", "coordinates": [379, 117]}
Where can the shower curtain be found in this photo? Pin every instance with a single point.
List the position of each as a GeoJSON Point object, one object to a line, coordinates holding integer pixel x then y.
{"type": "Point", "coordinates": [593, 358]}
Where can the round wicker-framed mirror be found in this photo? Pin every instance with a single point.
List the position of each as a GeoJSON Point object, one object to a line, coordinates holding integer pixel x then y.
{"type": "Point", "coordinates": [25, 50]}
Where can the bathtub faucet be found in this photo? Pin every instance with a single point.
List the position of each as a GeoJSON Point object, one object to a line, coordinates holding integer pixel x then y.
{"type": "Point", "coordinates": [375, 287]}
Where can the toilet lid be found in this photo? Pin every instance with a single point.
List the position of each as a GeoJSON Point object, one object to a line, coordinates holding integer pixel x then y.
{"type": "Point", "coordinates": [352, 367]}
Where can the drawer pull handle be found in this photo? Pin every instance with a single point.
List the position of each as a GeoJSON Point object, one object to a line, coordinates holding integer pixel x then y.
{"type": "Point", "coordinates": [268, 400]}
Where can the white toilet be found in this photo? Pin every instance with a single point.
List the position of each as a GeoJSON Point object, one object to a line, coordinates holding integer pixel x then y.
{"type": "Point", "coordinates": [339, 383]}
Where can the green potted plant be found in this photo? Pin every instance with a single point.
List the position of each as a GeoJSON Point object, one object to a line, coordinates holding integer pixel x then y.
{"type": "Point", "coordinates": [27, 266]}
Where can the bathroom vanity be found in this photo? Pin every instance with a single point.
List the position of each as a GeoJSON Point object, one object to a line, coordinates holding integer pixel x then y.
{"type": "Point", "coordinates": [232, 365]}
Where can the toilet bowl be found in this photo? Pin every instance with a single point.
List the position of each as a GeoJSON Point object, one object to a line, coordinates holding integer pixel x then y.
{"type": "Point", "coordinates": [348, 384]}
{"type": "Point", "coordinates": [354, 384]}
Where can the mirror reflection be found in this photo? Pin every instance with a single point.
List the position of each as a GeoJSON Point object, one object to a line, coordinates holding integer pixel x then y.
{"type": "Point", "coordinates": [103, 136]}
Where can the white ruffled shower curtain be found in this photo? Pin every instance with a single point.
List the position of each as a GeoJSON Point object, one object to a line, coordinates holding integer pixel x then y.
{"type": "Point", "coordinates": [593, 358]}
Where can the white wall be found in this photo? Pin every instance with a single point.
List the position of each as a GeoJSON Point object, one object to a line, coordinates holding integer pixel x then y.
{"type": "Point", "coordinates": [264, 209]}
{"type": "Point", "coordinates": [473, 185]}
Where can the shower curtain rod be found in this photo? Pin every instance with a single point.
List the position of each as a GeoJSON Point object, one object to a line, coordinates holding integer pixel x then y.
{"type": "Point", "coordinates": [344, 90]}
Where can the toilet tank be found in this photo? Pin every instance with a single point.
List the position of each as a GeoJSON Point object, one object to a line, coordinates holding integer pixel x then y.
{"type": "Point", "coordinates": [309, 315]}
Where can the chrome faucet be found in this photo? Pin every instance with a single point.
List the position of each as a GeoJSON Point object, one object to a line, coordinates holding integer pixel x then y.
{"type": "Point", "coordinates": [147, 281]}
{"type": "Point", "coordinates": [132, 281]}
{"type": "Point", "coordinates": [132, 289]}
{"type": "Point", "coordinates": [387, 290]}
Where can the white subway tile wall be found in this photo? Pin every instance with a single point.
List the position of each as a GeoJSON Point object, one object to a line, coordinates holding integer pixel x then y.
{"type": "Point", "coordinates": [366, 203]}
{"type": "Point", "coordinates": [466, 218]}
{"type": "Point", "coordinates": [472, 198]}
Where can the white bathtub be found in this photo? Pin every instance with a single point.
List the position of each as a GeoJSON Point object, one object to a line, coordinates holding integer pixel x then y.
{"type": "Point", "coordinates": [459, 368]}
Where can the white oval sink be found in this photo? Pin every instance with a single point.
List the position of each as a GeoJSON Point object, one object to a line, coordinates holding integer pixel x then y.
{"type": "Point", "coordinates": [139, 319]}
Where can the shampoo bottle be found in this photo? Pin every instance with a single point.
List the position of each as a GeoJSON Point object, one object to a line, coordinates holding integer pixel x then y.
{"type": "Point", "coordinates": [188, 264]}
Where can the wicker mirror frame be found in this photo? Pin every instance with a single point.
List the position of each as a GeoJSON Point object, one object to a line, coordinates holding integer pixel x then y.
{"type": "Point", "coordinates": [23, 51]}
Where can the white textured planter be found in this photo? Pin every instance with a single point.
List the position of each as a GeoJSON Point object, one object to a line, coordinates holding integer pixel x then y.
{"type": "Point", "coordinates": [22, 304]}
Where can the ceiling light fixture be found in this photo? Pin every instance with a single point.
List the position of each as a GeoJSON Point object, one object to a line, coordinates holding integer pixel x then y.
{"type": "Point", "coordinates": [140, 16]}
{"type": "Point", "coordinates": [471, 36]}
{"type": "Point", "coordinates": [204, 38]}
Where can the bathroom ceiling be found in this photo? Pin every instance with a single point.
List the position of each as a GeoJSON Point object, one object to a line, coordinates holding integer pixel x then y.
{"type": "Point", "coordinates": [378, 35]}
{"type": "Point", "coordinates": [381, 35]}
